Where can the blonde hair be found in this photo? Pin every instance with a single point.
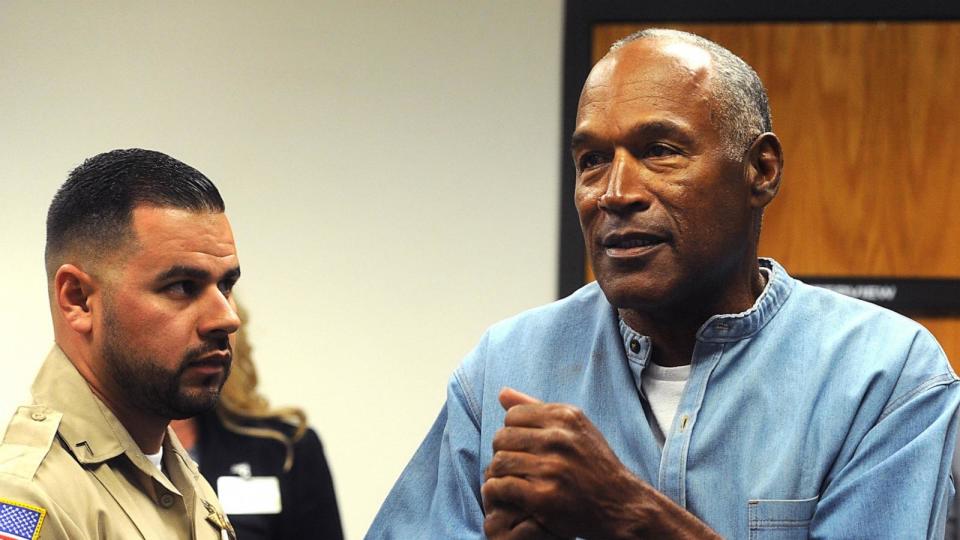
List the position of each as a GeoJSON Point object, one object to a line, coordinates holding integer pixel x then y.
{"type": "Point", "coordinates": [240, 402]}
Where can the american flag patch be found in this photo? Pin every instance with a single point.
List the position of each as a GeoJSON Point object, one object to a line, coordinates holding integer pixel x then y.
{"type": "Point", "coordinates": [19, 521]}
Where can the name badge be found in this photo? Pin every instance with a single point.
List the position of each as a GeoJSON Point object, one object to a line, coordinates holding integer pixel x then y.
{"type": "Point", "coordinates": [250, 495]}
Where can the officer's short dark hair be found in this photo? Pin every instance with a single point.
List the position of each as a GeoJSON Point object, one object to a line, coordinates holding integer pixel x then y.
{"type": "Point", "coordinates": [91, 214]}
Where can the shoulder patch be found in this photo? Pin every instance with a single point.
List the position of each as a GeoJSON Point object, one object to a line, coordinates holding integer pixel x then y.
{"type": "Point", "coordinates": [28, 439]}
{"type": "Point", "coordinates": [20, 521]}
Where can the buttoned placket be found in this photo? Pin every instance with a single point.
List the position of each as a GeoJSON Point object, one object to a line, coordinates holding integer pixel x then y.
{"type": "Point", "coordinates": [712, 339]}
{"type": "Point", "coordinates": [673, 455]}
{"type": "Point", "coordinates": [673, 461]}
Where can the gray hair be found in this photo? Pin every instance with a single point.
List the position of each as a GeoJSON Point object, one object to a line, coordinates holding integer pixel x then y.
{"type": "Point", "coordinates": [741, 108]}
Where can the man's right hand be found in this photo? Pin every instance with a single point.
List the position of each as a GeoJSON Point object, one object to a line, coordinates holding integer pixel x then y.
{"type": "Point", "coordinates": [554, 475]}
{"type": "Point", "coordinates": [504, 522]}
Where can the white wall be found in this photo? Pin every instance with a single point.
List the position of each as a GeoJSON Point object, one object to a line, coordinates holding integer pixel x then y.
{"type": "Point", "coordinates": [390, 169]}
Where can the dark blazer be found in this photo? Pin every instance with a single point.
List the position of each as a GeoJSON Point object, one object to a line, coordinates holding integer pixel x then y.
{"type": "Point", "coordinates": [306, 492]}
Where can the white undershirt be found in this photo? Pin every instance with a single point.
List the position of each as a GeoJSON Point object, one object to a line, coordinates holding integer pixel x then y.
{"type": "Point", "coordinates": [156, 459]}
{"type": "Point", "coordinates": [663, 387]}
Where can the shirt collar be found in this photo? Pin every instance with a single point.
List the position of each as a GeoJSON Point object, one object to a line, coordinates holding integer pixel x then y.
{"type": "Point", "coordinates": [726, 327]}
{"type": "Point", "coordinates": [736, 326]}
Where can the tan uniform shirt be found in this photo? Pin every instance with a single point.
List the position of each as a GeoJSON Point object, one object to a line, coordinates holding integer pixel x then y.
{"type": "Point", "coordinates": [68, 461]}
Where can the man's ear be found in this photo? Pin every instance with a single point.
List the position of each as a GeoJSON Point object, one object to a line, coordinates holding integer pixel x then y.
{"type": "Point", "coordinates": [764, 166]}
{"type": "Point", "coordinates": [72, 289]}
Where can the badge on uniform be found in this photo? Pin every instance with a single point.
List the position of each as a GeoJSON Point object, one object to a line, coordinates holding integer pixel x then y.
{"type": "Point", "coordinates": [20, 521]}
{"type": "Point", "coordinates": [218, 520]}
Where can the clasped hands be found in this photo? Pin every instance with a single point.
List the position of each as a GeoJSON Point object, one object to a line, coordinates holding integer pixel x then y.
{"type": "Point", "coordinates": [553, 475]}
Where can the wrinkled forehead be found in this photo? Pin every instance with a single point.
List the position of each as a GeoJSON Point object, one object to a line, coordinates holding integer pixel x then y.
{"type": "Point", "coordinates": [658, 68]}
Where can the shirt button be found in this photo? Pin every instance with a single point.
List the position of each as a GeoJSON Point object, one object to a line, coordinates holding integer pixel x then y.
{"type": "Point", "coordinates": [39, 416]}
{"type": "Point", "coordinates": [166, 500]}
{"type": "Point", "coordinates": [634, 345]}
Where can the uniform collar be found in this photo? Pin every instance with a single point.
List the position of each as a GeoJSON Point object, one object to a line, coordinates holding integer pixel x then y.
{"type": "Point", "coordinates": [90, 430]}
{"type": "Point", "coordinates": [92, 433]}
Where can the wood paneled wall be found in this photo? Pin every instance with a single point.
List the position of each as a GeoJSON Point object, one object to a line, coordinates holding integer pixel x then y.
{"type": "Point", "coordinates": [869, 119]}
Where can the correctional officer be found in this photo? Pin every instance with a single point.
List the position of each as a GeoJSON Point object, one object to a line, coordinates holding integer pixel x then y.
{"type": "Point", "coordinates": [140, 264]}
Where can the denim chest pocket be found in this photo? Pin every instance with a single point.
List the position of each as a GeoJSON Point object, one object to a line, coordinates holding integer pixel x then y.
{"type": "Point", "coordinates": [780, 519]}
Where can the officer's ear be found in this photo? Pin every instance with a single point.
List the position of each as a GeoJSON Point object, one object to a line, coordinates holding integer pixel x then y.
{"type": "Point", "coordinates": [72, 291]}
{"type": "Point", "coordinates": [764, 166]}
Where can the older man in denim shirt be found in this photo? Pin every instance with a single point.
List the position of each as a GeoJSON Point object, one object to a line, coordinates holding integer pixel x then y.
{"type": "Point", "coordinates": [695, 391]}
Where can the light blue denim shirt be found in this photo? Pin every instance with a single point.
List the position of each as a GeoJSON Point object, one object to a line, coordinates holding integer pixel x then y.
{"type": "Point", "coordinates": [809, 415]}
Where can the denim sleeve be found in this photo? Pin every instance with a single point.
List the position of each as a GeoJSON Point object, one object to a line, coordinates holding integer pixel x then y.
{"type": "Point", "coordinates": [897, 482]}
{"type": "Point", "coordinates": [438, 493]}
